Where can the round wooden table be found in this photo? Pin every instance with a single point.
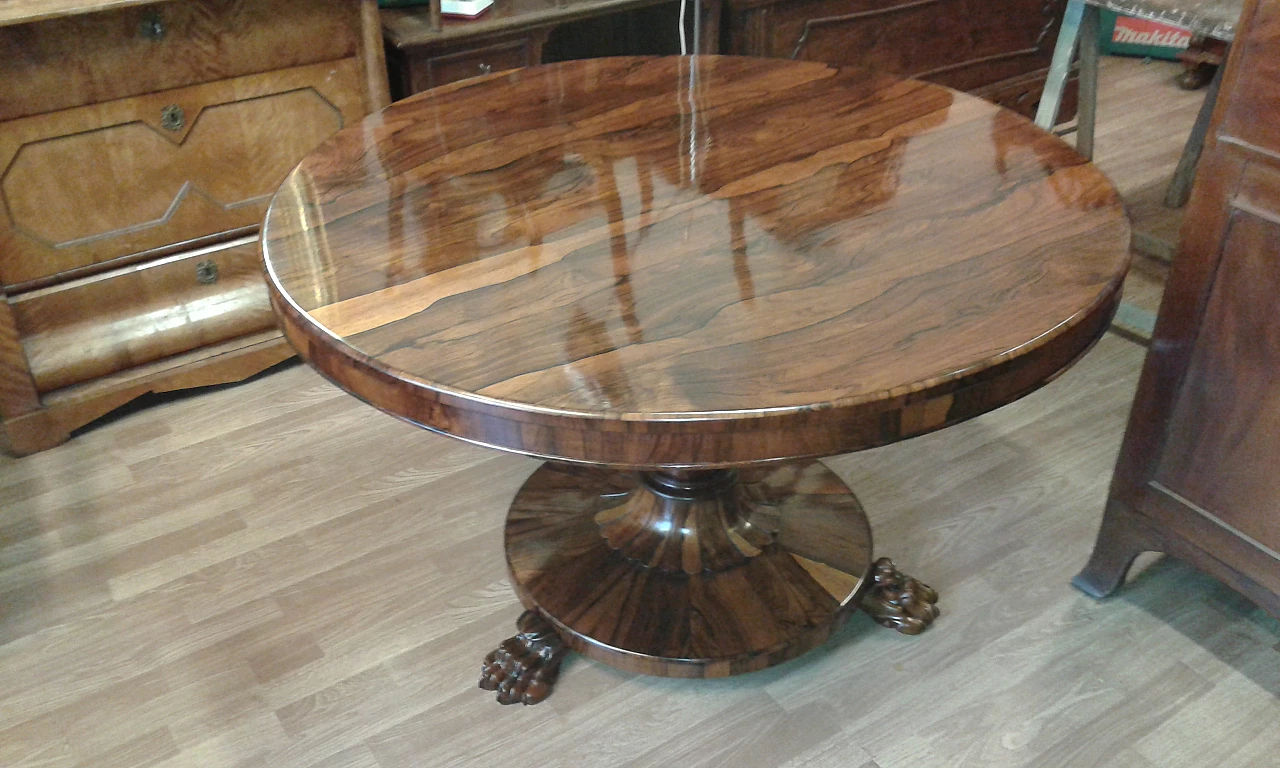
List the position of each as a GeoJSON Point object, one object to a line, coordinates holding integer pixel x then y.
{"type": "Point", "coordinates": [683, 280]}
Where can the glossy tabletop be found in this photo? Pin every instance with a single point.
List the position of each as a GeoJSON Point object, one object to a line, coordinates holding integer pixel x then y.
{"type": "Point", "coordinates": [693, 261]}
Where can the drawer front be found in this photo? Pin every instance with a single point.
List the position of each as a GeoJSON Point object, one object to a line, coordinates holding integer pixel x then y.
{"type": "Point", "coordinates": [110, 181]}
{"type": "Point", "coordinates": [63, 63]}
{"type": "Point", "coordinates": [110, 322]}
{"type": "Point", "coordinates": [459, 65]}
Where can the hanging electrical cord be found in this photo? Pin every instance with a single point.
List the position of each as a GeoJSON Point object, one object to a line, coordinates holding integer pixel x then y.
{"type": "Point", "coordinates": [683, 48]}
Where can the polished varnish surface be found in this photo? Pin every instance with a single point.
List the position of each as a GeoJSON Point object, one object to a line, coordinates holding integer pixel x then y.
{"type": "Point", "coordinates": [758, 568]}
{"type": "Point", "coordinates": [140, 143]}
{"type": "Point", "coordinates": [1196, 476]}
{"type": "Point", "coordinates": [793, 258]}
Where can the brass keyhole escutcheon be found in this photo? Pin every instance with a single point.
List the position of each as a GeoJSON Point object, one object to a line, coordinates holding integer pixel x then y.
{"type": "Point", "coordinates": [152, 26]}
{"type": "Point", "coordinates": [172, 118]}
{"type": "Point", "coordinates": [206, 273]}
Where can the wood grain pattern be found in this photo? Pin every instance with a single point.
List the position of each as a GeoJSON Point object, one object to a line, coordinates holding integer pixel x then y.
{"type": "Point", "coordinates": [565, 281]}
{"type": "Point", "coordinates": [720, 576]}
{"type": "Point", "coordinates": [1252, 123]}
{"type": "Point", "coordinates": [1195, 474]}
{"type": "Point", "coordinates": [1220, 456]}
{"type": "Point", "coordinates": [889, 35]}
{"type": "Point", "coordinates": [132, 610]}
{"type": "Point", "coordinates": [18, 394]}
{"type": "Point", "coordinates": [94, 327]}
{"type": "Point", "coordinates": [986, 48]}
{"type": "Point", "coordinates": [642, 263]}
{"type": "Point", "coordinates": [373, 58]}
{"type": "Point", "coordinates": [392, 565]}
{"type": "Point", "coordinates": [68, 409]}
{"type": "Point", "coordinates": [27, 11]}
{"type": "Point", "coordinates": [423, 70]}
{"type": "Point", "coordinates": [135, 143]}
{"type": "Point", "coordinates": [65, 172]}
{"type": "Point", "coordinates": [85, 59]}
{"type": "Point", "coordinates": [1021, 93]}
{"type": "Point", "coordinates": [1138, 151]}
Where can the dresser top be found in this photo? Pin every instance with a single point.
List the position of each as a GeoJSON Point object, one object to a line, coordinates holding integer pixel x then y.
{"type": "Point", "coordinates": [23, 11]}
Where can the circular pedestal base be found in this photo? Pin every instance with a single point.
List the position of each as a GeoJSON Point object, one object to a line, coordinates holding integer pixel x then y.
{"type": "Point", "coordinates": [702, 574]}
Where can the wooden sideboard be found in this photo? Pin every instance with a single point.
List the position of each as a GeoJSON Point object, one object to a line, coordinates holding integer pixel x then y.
{"type": "Point", "coordinates": [139, 145]}
{"type": "Point", "coordinates": [997, 50]}
{"type": "Point", "coordinates": [1197, 475]}
{"type": "Point", "coordinates": [509, 35]}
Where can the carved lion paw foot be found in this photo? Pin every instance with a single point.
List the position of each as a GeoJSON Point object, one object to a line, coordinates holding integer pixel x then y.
{"type": "Point", "coordinates": [897, 601]}
{"type": "Point", "coordinates": [524, 668]}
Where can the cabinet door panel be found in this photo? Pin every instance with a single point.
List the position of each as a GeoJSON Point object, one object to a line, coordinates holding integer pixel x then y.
{"type": "Point", "coordinates": [99, 183]}
{"type": "Point", "coordinates": [963, 44]}
{"type": "Point", "coordinates": [1222, 454]}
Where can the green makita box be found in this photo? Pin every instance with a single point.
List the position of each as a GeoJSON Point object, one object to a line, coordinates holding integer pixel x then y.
{"type": "Point", "coordinates": [1129, 36]}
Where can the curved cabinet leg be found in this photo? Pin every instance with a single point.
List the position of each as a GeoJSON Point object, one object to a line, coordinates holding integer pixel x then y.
{"type": "Point", "coordinates": [1120, 540]}
{"type": "Point", "coordinates": [897, 601]}
{"type": "Point", "coordinates": [523, 670]}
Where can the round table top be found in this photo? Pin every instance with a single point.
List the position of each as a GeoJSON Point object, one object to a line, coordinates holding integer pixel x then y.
{"type": "Point", "coordinates": [696, 261]}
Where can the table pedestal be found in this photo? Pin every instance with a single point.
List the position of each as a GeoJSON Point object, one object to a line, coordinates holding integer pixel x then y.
{"type": "Point", "coordinates": [688, 573]}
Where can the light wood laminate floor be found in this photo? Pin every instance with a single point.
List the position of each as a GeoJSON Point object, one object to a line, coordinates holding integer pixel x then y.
{"type": "Point", "coordinates": [1142, 125]}
{"type": "Point", "coordinates": [275, 574]}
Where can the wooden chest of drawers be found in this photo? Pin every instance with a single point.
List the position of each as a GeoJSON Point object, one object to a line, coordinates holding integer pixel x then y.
{"type": "Point", "coordinates": [140, 143]}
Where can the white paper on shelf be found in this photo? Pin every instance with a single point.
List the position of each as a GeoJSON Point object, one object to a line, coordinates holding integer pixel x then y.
{"type": "Point", "coordinates": [469, 8]}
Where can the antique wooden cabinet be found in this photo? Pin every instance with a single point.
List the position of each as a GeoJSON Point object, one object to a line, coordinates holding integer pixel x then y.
{"type": "Point", "coordinates": [997, 50]}
{"type": "Point", "coordinates": [1199, 471]}
{"type": "Point", "coordinates": [139, 145]}
{"type": "Point", "coordinates": [514, 33]}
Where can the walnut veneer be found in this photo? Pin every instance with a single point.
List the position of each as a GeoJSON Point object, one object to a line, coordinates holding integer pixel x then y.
{"type": "Point", "coordinates": [139, 145]}
{"type": "Point", "coordinates": [672, 271]}
{"type": "Point", "coordinates": [1197, 474]}
{"type": "Point", "coordinates": [998, 50]}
